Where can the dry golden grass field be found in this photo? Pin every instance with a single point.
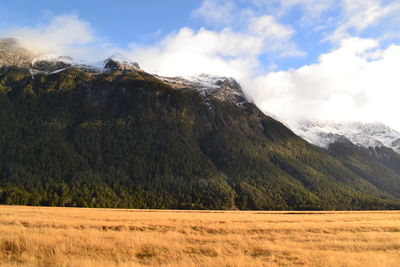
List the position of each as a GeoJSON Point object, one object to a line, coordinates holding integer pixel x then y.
{"type": "Point", "coordinates": [40, 236]}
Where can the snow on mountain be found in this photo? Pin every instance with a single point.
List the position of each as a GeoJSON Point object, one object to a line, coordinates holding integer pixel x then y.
{"type": "Point", "coordinates": [15, 52]}
{"type": "Point", "coordinates": [119, 62]}
{"type": "Point", "coordinates": [51, 63]}
{"type": "Point", "coordinates": [221, 88]}
{"type": "Point", "coordinates": [362, 134]}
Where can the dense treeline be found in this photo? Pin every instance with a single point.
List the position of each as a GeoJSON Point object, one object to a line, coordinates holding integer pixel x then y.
{"type": "Point", "coordinates": [125, 139]}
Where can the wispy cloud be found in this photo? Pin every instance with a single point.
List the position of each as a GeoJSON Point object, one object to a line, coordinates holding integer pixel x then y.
{"type": "Point", "coordinates": [359, 15]}
{"type": "Point", "coordinates": [216, 12]}
{"type": "Point", "coordinates": [312, 10]}
{"type": "Point", "coordinates": [276, 36]}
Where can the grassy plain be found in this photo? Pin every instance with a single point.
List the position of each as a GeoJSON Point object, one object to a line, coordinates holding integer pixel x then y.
{"type": "Point", "coordinates": [41, 236]}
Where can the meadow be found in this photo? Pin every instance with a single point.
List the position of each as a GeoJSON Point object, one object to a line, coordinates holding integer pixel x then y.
{"type": "Point", "coordinates": [47, 236]}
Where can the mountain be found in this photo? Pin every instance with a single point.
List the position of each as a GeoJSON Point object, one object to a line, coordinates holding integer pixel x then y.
{"type": "Point", "coordinates": [210, 87]}
{"type": "Point", "coordinates": [112, 135]}
{"type": "Point", "coordinates": [50, 62]}
{"type": "Point", "coordinates": [366, 135]}
{"type": "Point", "coordinates": [371, 150]}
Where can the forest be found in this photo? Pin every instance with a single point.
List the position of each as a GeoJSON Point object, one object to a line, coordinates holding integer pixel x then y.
{"type": "Point", "coordinates": [125, 139]}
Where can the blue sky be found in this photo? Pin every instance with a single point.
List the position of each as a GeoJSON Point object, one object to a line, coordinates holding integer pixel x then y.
{"type": "Point", "coordinates": [125, 22]}
{"type": "Point", "coordinates": [330, 60]}
{"type": "Point", "coordinates": [122, 21]}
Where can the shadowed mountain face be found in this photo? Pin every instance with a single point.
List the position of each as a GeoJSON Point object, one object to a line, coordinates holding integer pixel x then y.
{"type": "Point", "coordinates": [121, 137]}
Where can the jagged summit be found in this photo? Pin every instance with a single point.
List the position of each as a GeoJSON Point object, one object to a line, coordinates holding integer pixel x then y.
{"type": "Point", "coordinates": [50, 63]}
{"type": "Point", "coordinates": [323, 133]}
{"type": "Point", "coordinates": [15, 52]}
{"type": "Point", "coordinates": [221, 88]}
{"type": "Point", "coordinates": [119, 62]}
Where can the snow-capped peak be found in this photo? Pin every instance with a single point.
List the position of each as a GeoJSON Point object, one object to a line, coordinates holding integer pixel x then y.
{"type": "Point", "coordinates": [119, 62]}
{"type": "Point", "coordinates": [221, 88]}
{"type": "Point", "coordinates": [323, 133]}
{"type": "Point", "coordinates": [52, 63]}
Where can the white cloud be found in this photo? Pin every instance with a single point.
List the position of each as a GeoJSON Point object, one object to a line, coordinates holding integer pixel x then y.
{"type": "Point", "coordinates": [61, 33]}
{"type": "Point", "coordinates": [312, 10]}
{"type": "Point", "coordinates": [231, 12]}
{"type": "Point", "coordinates": [357, 81]}
{"type": "Point", "coordinates": [268, 27]}
{"type": "Point", "coordinates": [225, 52]}
{"type": "Point", "coordinates": [190, 52]}
{"type": "Point", "coordinates": [64, 34]}
{"type": "Point", "coordinates": [359, 15]}
{"type": "Point", "coordinates": [276, 36]}
{"type": "Point", "coordinates": [338, 19]}
{"type": "Point", "coordinates": [68, 34]}
{"type": "Point", "coordinates": [215, 12]}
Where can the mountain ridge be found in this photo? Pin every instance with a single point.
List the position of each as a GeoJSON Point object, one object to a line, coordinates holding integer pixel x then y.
{"type": "Point", "coordinates": [126, 138]}
{"type": "Point", "coordinates": [324, 133]}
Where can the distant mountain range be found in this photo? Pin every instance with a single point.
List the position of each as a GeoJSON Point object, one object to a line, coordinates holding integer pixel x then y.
{"type": "Point", "coordinates": [112, 135]}
{"type": "Point", "coordinates": [368, 135]}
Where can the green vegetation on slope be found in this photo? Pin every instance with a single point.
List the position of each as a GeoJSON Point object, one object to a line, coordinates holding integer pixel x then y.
{"type": "Point", "coordinates": [126, 139]}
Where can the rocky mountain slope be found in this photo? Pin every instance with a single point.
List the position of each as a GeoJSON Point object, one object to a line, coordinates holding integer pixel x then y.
{"type": "Point", "coordinates": [115, 136]}
{"type": "Point", "coordinates": [221, 88]}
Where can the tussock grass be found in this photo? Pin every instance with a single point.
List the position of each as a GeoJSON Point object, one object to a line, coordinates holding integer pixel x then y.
{"type": "Point", "coordinates": [40, 236]}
